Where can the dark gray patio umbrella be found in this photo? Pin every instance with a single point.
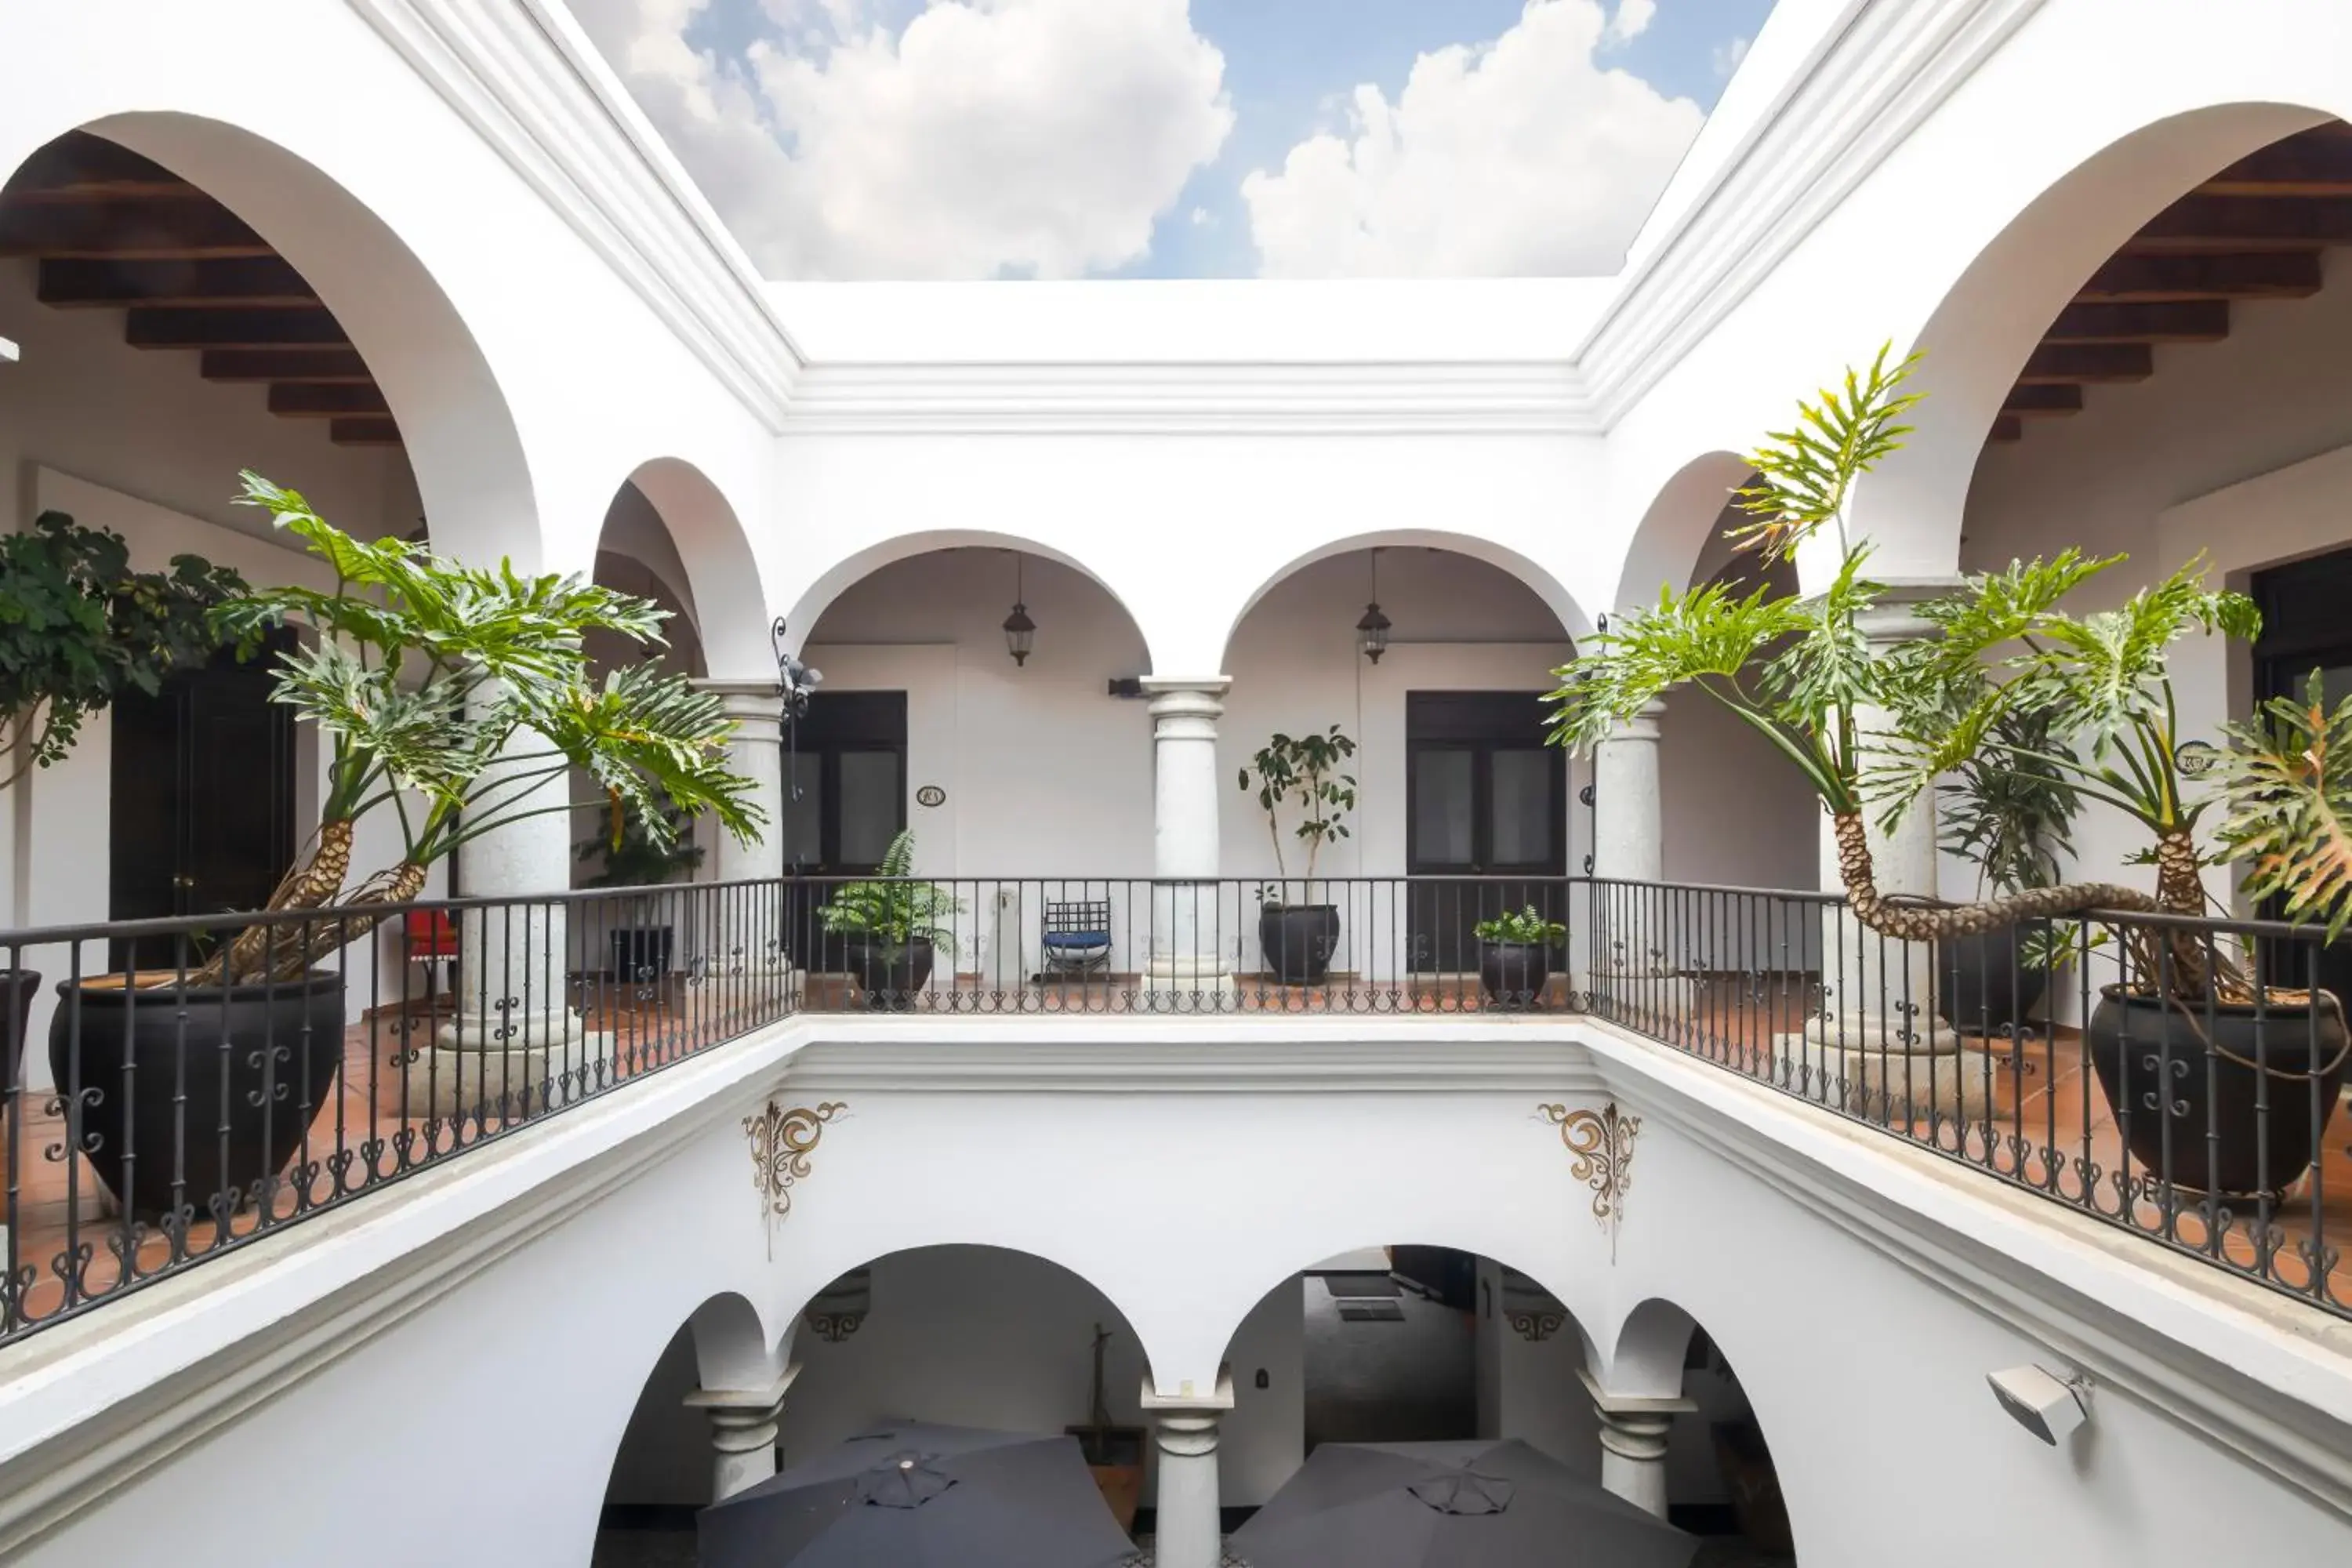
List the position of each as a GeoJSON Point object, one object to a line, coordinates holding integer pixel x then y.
{"type": "Point", "coordinates": [1452, 1505]}
{"type": "Point", "coordinates": [913, 1495]}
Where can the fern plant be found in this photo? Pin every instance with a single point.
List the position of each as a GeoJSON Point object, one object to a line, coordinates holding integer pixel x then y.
{"type": "Point", "coordinates": [2285, 785]}
{"type": "Point", "coordinates": [894, 909]}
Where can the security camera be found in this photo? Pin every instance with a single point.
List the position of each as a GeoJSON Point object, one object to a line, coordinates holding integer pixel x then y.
{"type": "Point", "coordinates": [2045, 1404]}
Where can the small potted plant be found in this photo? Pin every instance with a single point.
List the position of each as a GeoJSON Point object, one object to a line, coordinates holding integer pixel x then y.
{"type": "Point", "coordinates": [634, 855]}
{"type": "Point", "coordinates": [1303, 774]}
{"type": "Point", "coordinates": [78, 629]}
{"type": "Point", "coordinates": [1514, 956]}
{"type": "Point", "coordinates": [892, 923]}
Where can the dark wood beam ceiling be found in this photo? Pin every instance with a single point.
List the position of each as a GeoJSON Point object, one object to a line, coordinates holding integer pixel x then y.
{"type": "Point", "coordinates": [108, 229]}
{"type": "Point", "coordinates": [2256, 230]}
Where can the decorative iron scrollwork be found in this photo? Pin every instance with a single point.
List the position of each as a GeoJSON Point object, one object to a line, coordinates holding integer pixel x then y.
{"type": "Point", "coordinates": [781, 1141]}
{"type": "Point", "coordinates": [1603, 1144]}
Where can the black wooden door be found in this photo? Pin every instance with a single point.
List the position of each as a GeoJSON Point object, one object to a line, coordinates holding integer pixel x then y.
{"type": "Point", "coordinates": [1486, 819]}
{"type": "Point", "coordinates": [202, 800]}
{"type": "Point", "coordinates": [2306, 629]}
{"type": "Point", "coordinates": [844, 800]}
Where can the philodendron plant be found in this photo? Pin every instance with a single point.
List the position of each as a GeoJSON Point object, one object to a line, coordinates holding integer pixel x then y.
{"type": "Point", "coordinates": [459, 698]}
{"type": "Point", "coordinates": [1797, 667]}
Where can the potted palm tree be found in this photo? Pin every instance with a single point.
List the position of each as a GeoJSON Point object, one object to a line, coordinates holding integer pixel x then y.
{"type": "Point", "coordinates": [892, 923]}
{"type": "Point", "coordinates": [1514, 956]}
{"type": "Point", "coordinates": [78, 629]}
{"type": "Point", "coordinates": [454, 698]}
{"type": "Point", "coordinates": [632, 855]}
{"type": "Point", "coordinates": [1797, 667]}
{"type": "Point", "coordinates": [1302, 773]}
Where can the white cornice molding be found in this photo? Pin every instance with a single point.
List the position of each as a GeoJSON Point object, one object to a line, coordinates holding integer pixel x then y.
{"type": "Point", "coordinates": [526, 79]}
{"type": "Point", "coordinates": [1886, 72]}
{"type": "Point", "coordinates": [1513, 398]}
{"type": "Point", "coordinates": [2243, 1367]}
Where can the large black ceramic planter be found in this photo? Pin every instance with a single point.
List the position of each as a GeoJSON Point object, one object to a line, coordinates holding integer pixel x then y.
{"type": "Point", "coordinates": [196, 1093]}
{"type": "Point", "coordinates": [891, 976]}
{"type": "Point", "coordinates": [2231, 1129]}
{"type": "Point", "coordinates": [1515, 972]}
{"type": "Point", "coordinates": [1984, 986]}
{"type": "Point", "coordinates": [1298, 941]}
{"type": "Point", "coordinates": [18, 988]}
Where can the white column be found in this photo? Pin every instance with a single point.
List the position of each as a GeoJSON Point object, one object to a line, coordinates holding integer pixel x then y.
{"type": "Point", "coordinates": [1634, 1433]}
{"type": "Point", "coordinates": [751, 920]}
{"type": "Point", "coordinates": [517, 1046]}
{"type": "Point", "coordinates": [742, 1432]}
{"type": "Point", "coordinates": [1630, 925]}
{"type": "Point", "coordinates": [1878, 1037]}
{"type": "Point", "coordinates": [1190, 1532]}
{"type": "Point", "coordinates": [1186, 968]}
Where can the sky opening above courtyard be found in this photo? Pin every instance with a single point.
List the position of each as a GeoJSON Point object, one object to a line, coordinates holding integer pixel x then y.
{"type": "Point", "coordinates": [929, 138]}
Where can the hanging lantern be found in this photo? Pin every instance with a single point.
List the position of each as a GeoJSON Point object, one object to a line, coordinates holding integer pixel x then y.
{"type": "Point", "coordinates": [1372, 631]}
{"type": "Point", "coordinates": [1020, 631]}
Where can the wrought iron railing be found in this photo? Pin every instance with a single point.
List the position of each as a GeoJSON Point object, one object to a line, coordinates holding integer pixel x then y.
{"type": "Point", "coordinates": [151, 1125]}
{"type": "Point", "coordinates": [2091, 1061]}
{"type": "Point", "coordinates": [146, 1128]}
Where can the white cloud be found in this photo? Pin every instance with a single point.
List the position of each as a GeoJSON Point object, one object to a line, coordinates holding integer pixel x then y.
{"type": "Point", "coordinates": [984, 135]}
{"type": "Point", "coordinates": [1520, 157]}
{"type": "Point", "coordinates": [1633, 15]}
{"type": "Point", "coordinates": [1726, 57]}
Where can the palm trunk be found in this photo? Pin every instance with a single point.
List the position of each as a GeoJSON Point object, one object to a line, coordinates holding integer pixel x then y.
{"type": "Point", "coordinates": [2193, 971]}
{"type": "Point", "coordinates": [287, 951]}
{"type": "Point", "coordinates": [310, 884]}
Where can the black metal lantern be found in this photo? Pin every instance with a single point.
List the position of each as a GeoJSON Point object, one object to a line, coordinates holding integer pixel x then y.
{"type": "Point", "coordinates": [794, 680]}
{"type": "Point", "coordinates": [1372, 631]}
{"type": "Point", "coordinates": [1020, 631]}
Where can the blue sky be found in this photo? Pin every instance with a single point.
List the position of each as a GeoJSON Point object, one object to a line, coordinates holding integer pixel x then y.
{"type": "Point", "coordinates": [820, 166]}
{"type": "Point", "coordinates": [1287, 60]}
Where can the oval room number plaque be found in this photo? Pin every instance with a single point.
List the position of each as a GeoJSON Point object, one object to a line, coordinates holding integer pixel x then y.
{"type": "Point", "coordinates": [930, 794]}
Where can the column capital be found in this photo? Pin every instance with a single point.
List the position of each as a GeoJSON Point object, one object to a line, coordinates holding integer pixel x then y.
{"type": "Point", "coordinates": [1609, 1403]}
{"type": "Point", "coordinates": [1189, 1415]}
{"type": "Point", "coordinates": [1643, 726]}
{"type": "Point", "coordinates": [1895, 616]}
{"type": "Point", "coordinates": [734, 1405]}
{"type": "Point", "coordinates": [1194, 697]}
{"type": "Point", "coordinates": [751, 703]}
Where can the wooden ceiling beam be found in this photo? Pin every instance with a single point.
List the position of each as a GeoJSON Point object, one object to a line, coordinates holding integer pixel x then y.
{"type": "Point", "coordinates": [363, 432]}
{"type": "Point", "coordinates": [2055, 363]}
{"type": "Point", "coordinates": [2043, 402]}
{"type": "Point", "coordinates": [250, 280]}
{"type": "Point", "coordinates": [2247, 275]}
{"type": "Point", "coordinates": [183, 229]}
{"type": "Point", "coordinates": [2316, 163]}
{"type": "Point", "coordinates": [80, 167]}
{"type": "Point", "coordinates": [2245, 223]}
{"type": "Point", "coordinates": [321, 367]}
{"type": "Point", "coordinates": [2183, 321]}
{"type": "Point", "coordinates": [2007, 427]}
{"type": "Point", "coordinates": [302, 400]}
{"type": "Point", "coordinates": [235, 329]}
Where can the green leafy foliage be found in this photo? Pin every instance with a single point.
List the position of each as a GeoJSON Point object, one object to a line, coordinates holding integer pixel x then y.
{"type": "Point", "coordinates": [469, 688]}
{"type": "Point", "coordinates": [1527, 926]}
{"type": "Point", "coordinates": [2010, 812]}
{"type": "Point", "coordinates": [894, 909]}
{"type": "Point", "coordinates": [78, 628]}
{"type": "Point", "coordinates": [1304, 775]}
{"type": "Point", "coordinates": [632, 857]}
{"type": "Point", "coordinates": [1805, 475]}
{"type": "Point", "coordinates": [2285, 781]}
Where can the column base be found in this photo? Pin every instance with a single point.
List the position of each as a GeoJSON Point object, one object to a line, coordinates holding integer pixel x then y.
{"type": "Point", "coordinates": [1187, 986]}
{"type": "Point", "coordinates": [542, 1062]}
{"type": "Point", "coordinates": [1633, 996]}
{"type": "Point", "coordinates": [1884, 1078]}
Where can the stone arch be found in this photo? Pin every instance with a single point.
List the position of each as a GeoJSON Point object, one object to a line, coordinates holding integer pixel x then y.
{"type": "Point", "coordinates": [829, 583]}
{"type": "Point", "coordinates": [1671, 537]}
{"type": "Point", "coordinates": [731, 1346]}
{"type": "Point", "coordinates": [1980, 331]}
{"type": "Point", "coordinates": [1226, 619]}
{"type": "Point", "coordinates": [724, 590]}
{"type": "Point", "coordinates": [454, 421]}
{"type": "Point", "coordinates": [1646, 1357]}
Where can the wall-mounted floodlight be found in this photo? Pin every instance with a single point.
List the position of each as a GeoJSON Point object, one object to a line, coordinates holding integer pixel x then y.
{"type": "Point", "coordinates": [2045, 1404]}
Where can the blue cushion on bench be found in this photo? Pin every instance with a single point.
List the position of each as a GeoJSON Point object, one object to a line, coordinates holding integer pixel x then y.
{"type": "Point", "coordinates": [1077, 939]}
